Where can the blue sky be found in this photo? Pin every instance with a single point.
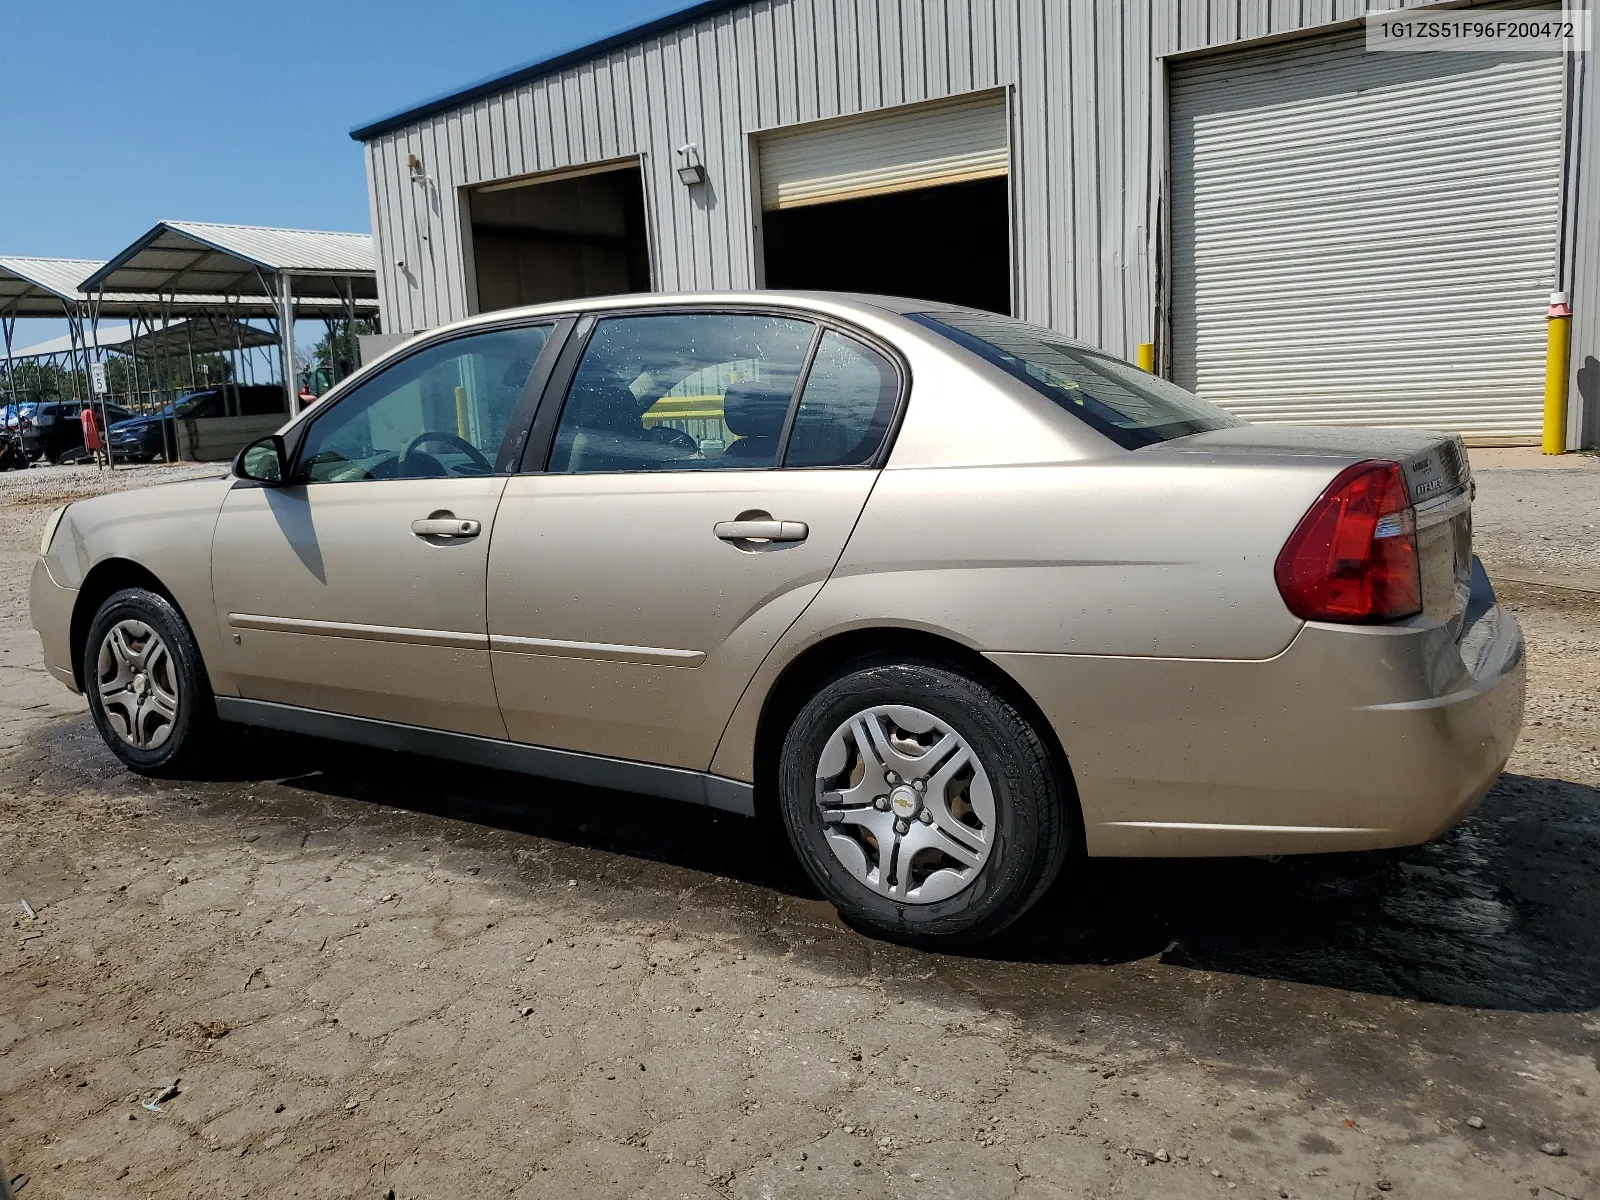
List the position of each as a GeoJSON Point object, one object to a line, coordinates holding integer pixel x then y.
{"type": "Point", "coordinates": [116, 116]}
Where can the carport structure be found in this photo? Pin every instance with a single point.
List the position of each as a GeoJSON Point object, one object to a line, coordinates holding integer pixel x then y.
{"type": "Point", "coordinates": [202, 334]}
{"type": "Point", "coordinates": [296, 272]}
{"type": "Point", "coordinates": [42, 287]}
{"type": "Point", "coordinates": [50, 288]}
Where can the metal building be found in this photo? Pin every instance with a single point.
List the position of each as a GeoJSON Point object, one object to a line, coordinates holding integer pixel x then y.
{"type": "Point", "coordinates": [1305, 231]}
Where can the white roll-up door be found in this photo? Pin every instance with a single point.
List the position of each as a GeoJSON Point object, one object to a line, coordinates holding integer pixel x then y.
{"type": "Point", "coordinates": [1366, 238]}
{"type": "Point", "coordinates": [894, 150]}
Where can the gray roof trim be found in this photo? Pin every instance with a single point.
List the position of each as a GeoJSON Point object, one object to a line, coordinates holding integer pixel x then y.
{"type": "Point", "coordinates": [540, 68]}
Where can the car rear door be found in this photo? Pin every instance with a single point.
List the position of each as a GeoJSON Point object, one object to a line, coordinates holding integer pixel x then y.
{"type": "Point", "coordinates": [704, 472]}
{"type": "Point", "coordinates": [358, 588]}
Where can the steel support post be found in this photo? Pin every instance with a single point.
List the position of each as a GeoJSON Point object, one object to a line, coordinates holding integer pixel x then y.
{"type": "Point", "coordinates": [291, 378]}
{"type": "Point", "coordinates": [100, 398]}
{"type": "Point", "coordinates": [8, 327]}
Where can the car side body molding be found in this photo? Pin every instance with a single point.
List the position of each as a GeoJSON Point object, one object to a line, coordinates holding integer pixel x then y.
{"type": "Point", "coordinates": [670, 783]}
{"type": "Point", "coordinates": [360, 633]}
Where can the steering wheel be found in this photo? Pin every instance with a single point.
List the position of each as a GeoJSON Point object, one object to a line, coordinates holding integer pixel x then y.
{"type": "Point", "coordinates": [438, 435]}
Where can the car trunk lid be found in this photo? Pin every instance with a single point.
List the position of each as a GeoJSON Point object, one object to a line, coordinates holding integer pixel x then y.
{"type": "Point", "coordinates": [1438, 477]}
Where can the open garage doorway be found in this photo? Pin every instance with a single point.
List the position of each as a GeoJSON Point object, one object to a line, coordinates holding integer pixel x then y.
{"type": "Point", "coordinates": [559, 238]}
{"type": "Point", "coordinates": [905, 201]}
{"type": "Point", "coordinates": [951, 244]}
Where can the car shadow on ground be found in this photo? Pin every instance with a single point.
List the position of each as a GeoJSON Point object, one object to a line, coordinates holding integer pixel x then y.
{"type": "Point", "coordinates": [1503, 912]}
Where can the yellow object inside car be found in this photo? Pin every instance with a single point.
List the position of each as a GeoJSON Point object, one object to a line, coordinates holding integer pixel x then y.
{"type": "Point", "coordinates": [683, 408]}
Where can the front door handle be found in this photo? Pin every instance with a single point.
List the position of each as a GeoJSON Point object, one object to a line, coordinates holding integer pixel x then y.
{"type": "Point", "coordinates": [446, 527]}
{"type": "Point", "coordinates": [762, 531]}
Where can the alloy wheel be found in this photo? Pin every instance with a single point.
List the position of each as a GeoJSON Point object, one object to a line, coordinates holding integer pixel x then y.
{"type": "Point", "coordinates": [906, 805]}
{"type": "Point", "coordinates": [138, 684]}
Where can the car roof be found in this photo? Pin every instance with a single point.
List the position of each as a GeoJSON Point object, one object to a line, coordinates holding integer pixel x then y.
{"type": "Point", "coordinates": [838, 302]}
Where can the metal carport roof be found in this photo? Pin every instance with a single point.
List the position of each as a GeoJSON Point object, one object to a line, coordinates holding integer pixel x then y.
{"type": "Point", "coordinates": [208, 336]}
{"type": "Point", "coordinates": [193, 256]}
{"type": "Point", "coordinates": [46, 287]}
{"type": "Point", "coordinates": [38, 287]}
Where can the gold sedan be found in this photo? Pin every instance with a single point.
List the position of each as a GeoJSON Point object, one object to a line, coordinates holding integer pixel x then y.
{"type": "Point", "coordinates": [951, 593]}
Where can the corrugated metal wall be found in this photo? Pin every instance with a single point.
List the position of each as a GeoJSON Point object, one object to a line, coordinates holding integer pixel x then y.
{"type": "Point", "coordinates": [1087, 152]}
{"type": "Point", "coordinates": [1297, 292]}
{"type": "Point", "coordinates": [1583, 273]}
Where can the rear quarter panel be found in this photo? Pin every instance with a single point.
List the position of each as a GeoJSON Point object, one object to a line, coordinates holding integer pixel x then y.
{"type": "Point", "coordinates": [1128, 557]}
{"type": "Point", "coordinates": [166, 530]}
{"type": "Point", "coordinates": [1132, 557]}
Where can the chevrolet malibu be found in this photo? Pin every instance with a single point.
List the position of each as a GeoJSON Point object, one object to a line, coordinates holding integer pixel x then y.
{"type": "Point", "coordinates": [953, 594]}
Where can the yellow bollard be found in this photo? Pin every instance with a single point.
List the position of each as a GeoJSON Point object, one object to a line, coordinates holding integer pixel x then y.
{"type": "Point", "coordinates": [461, 414]}
{"type": "Point", "coordinates": [1145, 358]}
{"type": "Point", "coordinates": [1558, 350]}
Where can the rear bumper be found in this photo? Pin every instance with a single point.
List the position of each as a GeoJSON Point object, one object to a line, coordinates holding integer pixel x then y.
{"type": "Point", "coordinates": [1353, 738]}
{"type": "Point", "coordinates": [50, 610]}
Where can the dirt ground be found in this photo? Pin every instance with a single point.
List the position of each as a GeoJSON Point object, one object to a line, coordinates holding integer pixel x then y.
{"type": "Point", "coordinates": [376, 976]}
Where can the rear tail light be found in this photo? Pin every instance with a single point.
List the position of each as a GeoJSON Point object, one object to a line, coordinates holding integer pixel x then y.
{"type": "Point", "coordinates": [1353, 557]}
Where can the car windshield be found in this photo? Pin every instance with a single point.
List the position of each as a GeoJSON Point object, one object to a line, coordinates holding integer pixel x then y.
{"type": "Point", "coordinates": [1131, 407]}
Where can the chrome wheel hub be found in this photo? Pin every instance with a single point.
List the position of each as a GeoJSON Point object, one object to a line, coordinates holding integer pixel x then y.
{"type": "Point", "coordinates": [905, 801]}
{"type": "Point", "coordinates": [907, 807]}
{"type": "Point", "coordinates": [138, 684]}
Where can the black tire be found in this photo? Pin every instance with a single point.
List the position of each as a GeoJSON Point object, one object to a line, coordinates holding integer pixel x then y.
{"type": "Point", "coordinates": [191, 740]}
{"type": "Point", "coordinates": [1034, 808]}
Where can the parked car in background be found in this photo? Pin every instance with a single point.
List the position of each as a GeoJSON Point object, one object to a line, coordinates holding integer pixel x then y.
{"type": "Point", "coordinates": [950, 592]}
{"type": "Point", "coordinates": [155, 435]}
{"type": "Point", "coordinates": [11, 415]}
{"type": "Point", "coordinates": [53, 430]}
{"type": "Point", "coordinates": [12, 455]}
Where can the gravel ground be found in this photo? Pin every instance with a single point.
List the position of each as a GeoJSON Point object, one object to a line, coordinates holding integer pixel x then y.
{"type": "Point", "coordinates": [49, 484]}
{"type": "Point", "coordinates": [1541, 525]}
{"type": "Point", "coordinates": [372, 975]}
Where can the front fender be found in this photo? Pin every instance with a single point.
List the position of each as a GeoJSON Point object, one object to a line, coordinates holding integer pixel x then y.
{"type": "Point", "coordinates": [162, 532]}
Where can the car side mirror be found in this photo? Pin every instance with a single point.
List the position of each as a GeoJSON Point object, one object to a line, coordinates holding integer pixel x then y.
{"type": "Point", "coordinates": [264, 461]}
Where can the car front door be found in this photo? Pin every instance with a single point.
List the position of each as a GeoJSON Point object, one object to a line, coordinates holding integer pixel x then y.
{"type": "Point", "coordinates": [358, 588]}
{"type": "Point", "coordinates": [703, 478]}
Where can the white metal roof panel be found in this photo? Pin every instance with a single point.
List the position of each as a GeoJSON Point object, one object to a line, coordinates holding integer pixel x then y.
{"type": "Point", "coordinates": [206, 335]}
{"type": "Point", "coordinates": [65, 344]}
{"type": "Point", "coordinates": [195, 256]}
{"type": "Point", "coordinates": [37, 287]}
{"type": "Point", "coordinates": [40, 287]}
{"type": "Point", "coordinates": [285, 249]}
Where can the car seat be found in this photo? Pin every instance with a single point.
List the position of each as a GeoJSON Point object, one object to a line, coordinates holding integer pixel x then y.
{"type": "Point", "coordinates": [756, 414]}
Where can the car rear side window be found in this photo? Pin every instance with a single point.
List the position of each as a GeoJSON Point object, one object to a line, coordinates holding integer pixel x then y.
{"type": "Point", "coordinates": [845, 408]}
{"type": "Point", "coordinates": [681, 392]}
{"type": "Point", "coordinates": [1131, 407]}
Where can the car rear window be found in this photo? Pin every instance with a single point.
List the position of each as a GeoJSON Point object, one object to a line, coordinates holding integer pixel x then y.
{"type": "Point", "coordinates": [1131, 407]}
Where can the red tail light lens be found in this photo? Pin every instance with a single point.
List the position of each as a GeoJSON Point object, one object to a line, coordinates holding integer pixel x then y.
{"type": "Point", "coordinates": [1353, 557]}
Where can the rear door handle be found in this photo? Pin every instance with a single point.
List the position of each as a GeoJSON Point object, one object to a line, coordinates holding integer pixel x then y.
{"type": "Point", "coordinates": [762, 531]}
{"type": "Point", "coordinates": [446, 527]}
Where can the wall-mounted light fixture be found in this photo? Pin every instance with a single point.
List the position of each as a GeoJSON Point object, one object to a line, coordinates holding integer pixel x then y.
{"type": "Point", "coordinates": [414, 165]}
{"type": "Point", "coordinates": [690, 168]}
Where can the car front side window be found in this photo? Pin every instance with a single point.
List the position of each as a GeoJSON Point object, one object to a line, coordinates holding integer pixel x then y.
{"type": "Point", "coordinates": [439, 413]}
